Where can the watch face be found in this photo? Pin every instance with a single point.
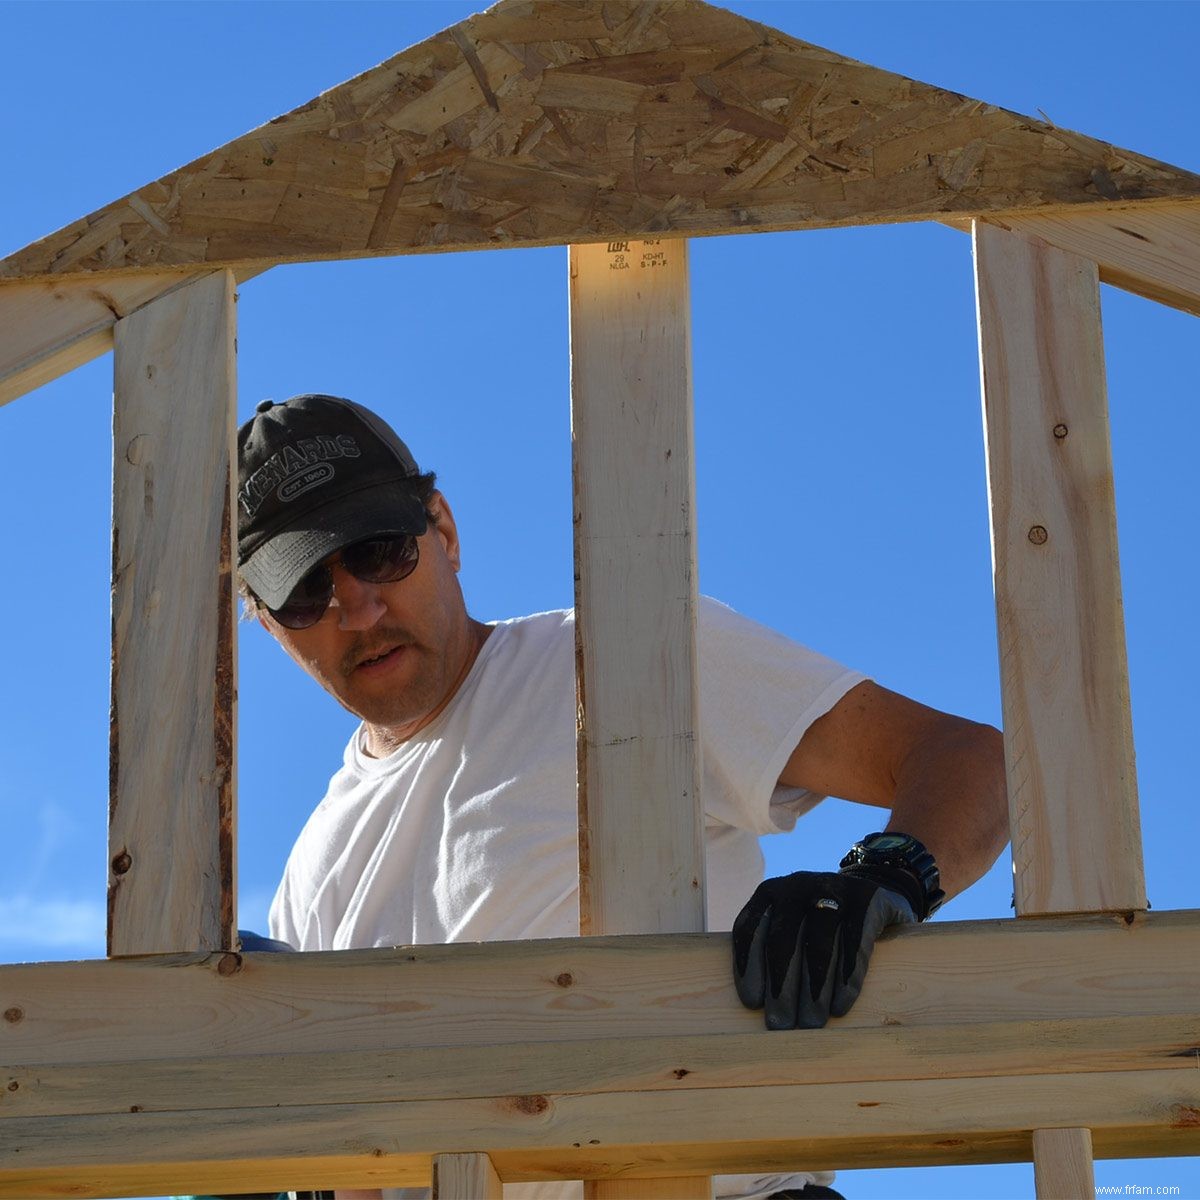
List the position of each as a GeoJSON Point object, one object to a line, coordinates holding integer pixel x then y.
{"type": "Point", "coordinates": [886, 841]}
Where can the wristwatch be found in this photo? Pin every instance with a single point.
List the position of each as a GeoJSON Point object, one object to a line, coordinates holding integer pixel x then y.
{"type": "Point", "coordinates": [900, 850]}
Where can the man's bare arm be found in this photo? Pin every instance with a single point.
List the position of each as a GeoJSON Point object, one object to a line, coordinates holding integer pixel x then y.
{"type": "Point", "coordinates": [802, 942]}
{"type": "Point", "coordinates": [942, 776]}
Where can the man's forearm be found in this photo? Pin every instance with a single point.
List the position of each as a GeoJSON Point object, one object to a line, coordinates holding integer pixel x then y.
{"type": "Point", "coordinates": [951, 795]}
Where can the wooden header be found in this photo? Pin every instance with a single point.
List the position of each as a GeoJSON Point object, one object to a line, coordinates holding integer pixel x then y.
{"type": "Point", "coordinates": [547, 122]}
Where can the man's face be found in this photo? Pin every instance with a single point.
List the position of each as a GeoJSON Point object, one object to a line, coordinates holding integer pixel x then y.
{"type": "Point", "coordinates": [391, 652]}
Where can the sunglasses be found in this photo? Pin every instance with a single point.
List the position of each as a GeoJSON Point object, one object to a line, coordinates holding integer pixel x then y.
{"type": "Point", "coordinates": [376, 560]}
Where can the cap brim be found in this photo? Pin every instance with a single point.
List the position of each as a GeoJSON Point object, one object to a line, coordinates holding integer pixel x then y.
{"type": "Point", "coordinates": [275, 568]}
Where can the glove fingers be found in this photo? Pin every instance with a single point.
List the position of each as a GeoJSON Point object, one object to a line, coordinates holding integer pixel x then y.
{"type": "Point", "coordinates": [749, 951]}
{"type": "Point", "coordinates": [819, 974]}
{"type": "Point", "coordinates": [784, 968]}
{"type": "Point", "coordinates": [885, 908]}
{"type": "Point", "coordinates": [850, 980]}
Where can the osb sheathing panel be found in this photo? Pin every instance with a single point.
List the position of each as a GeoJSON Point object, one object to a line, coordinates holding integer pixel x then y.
{"type": "Point", "coordinates": [543, 121]}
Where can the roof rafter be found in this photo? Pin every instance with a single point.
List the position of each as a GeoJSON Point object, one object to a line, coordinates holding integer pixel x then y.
{"type": "Point", "coordinates": [542, 122]}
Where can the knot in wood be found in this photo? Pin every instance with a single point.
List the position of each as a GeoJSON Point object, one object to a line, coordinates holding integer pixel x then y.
{"type": "Point", "coordinates": [14, 1014]}
{"type": "Point", "coordinates": [565, 979]}
{"type": "Point", "coordinates": [229, 964]}
{"type": "Point", "coordinates": [530, 1105]}
{"type": "Point", "coordinates": [122, 863]}
{"type": "Point", "coordinates": [1038, 535]}
{"type": "Point", "coordinates": [13, 1086]}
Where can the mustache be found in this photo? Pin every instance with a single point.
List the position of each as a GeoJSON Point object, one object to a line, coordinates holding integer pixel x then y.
{"type": "Point", "coordinates": [372, 645]}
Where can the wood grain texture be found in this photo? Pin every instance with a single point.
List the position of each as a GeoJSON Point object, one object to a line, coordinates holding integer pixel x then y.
{"type": "Point", "coordinates": [50, 327]}
{"type": "Point", "coordinates": [1068, 735]}
{"type": "Point", "coordinates": [924, 1122]}
{"type": "Point", "coordinates": [598, 1065]}
{"type": "Point", "coordinates": [1062, 1164]}
{"type": "Point", "coordinates": [465, 1177]}
{"type": "Point", "coordinates": [173, 669]}
{"type": "Point", "coordinates": [641, 824]}
{"type": "Point", "coordinates": [1151, 250]}
{"type": "Point", "coordinates": [563, 992]}
{"type": "Point", "coordinates": [560, 121]}
{"type": "Point", "coordinates": [354, 1068]}
{"type": "Point", "coordinates": [641, 848]}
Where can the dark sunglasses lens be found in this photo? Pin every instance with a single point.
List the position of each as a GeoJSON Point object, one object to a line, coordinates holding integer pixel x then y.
{"type": "Point", "coordinates": [381, 560]}
{"type": "Point", "coordinates": [307, 602]}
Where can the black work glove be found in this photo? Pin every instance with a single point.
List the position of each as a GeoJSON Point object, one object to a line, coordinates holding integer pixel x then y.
{"type": "Point", "coordinates": [802, 943]}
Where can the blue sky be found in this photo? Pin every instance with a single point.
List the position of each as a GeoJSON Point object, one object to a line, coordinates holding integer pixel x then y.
{"type": "Point", "coordinates": [840, 472]}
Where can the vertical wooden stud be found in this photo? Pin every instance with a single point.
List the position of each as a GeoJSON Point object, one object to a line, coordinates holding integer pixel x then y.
{"type": "Point", "coordinates": [1062, 1164]}
{"type": "Point", "coordinates": [641, 837]}
{"type": "Point", "coordinates": [641, 847]}
{"type": "Point", "coordinates": [1068, 733]}
{"type": "Point", "coordinates": [465, 1177]}
{"type": "Point", "coordinates": [172, 770]}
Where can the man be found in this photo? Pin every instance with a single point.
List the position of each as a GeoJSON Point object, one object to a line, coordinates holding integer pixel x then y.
{"type": "Point", "coordinates": [453, 816]}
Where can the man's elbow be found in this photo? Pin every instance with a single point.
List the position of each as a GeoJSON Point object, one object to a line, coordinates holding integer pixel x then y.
{"type": "Point", "coordinates": [985, 748]}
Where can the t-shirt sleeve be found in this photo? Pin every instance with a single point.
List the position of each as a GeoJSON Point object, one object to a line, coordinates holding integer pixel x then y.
{"type": "Point", "coordinates": [759, 693]}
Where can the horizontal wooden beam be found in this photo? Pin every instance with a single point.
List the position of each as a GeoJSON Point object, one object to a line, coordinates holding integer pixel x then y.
{"type": "Point", "coordinates": [649, 1134]}
{"type": "Point", "coordinates": [602, 1065]}
{"type": "Point", "coordinates": [50, 327]}
{"type": "Point", "coordinates": [569, 990]}
{"type": "Point", "coordinates": [543, 123]}
{"type": "Point", "coordinates": [207, 1073]}
{"type": "Point", "coordinates": [1152, 250]}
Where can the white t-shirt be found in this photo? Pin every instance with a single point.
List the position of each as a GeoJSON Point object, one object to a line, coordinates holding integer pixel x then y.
{"type": "Point", "coordinates": [467, 832]}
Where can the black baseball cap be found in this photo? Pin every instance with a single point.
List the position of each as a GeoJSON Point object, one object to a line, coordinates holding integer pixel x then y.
{"type": "Point", "coordinates": [317, 473]}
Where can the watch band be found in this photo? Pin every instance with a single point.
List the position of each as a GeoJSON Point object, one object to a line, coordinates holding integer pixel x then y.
{"type": "Point", "coordinates": [894, 849]}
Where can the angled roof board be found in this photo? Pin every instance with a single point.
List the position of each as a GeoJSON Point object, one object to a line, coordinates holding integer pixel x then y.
{"type": "Point", "coordinates": [544, 121]}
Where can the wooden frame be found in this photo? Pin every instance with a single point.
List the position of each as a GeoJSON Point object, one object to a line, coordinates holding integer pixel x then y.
{"type": "Point", "coordinates": [617, 1059]}
{"type": "Point", "coordinates": [964, 1035]}
{"type": "Point", "coordinates": [641, 866]}
{"type": "Point", "coordinates": [171, 816]}
{"type": "Point", "coordinates": [635, 594]}
{"type": "Point", "coordinates": [1058, 584]}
